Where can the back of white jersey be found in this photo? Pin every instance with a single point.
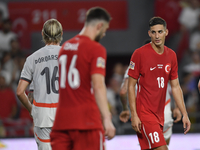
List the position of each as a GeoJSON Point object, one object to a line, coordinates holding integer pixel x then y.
{"type": "Point", "coordinates": [42, 69]}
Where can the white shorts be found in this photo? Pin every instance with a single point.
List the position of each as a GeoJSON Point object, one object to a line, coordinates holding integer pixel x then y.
{"type": "Point", "coordinates": [167, 133]}
{"type": "Point", "coordinates": [42, 137]}
{"type": "Point", "coordinates": [167, 129]}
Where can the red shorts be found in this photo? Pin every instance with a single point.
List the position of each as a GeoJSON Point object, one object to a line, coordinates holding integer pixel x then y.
{"type": "Point", "coordinates": [77, 139]}
{"type": "Point", "coordinates": [151, 135]}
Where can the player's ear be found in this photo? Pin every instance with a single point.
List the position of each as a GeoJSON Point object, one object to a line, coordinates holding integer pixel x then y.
{"type": "Point", "coordinates": [149, 32]}
{"type": "Point", "coordinates": [42, 33]}
{"type": "Point", "coordinates": [99, 25]}
{"type": "Point", "coordinates": [166, 32]}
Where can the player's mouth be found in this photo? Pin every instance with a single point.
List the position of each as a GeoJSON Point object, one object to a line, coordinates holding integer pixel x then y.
{"type": "Point", "coordinates": [157, 41]}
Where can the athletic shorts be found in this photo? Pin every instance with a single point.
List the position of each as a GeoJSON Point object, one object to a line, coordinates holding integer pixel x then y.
{"type": "Point", "coordinates": [167, 134]}
{"type": "Point", "coordinates": [151, 135]}
{"type": "Point", "coordinates": [42, 137]}
{"type": "Point", "coordinates": [77, 140]}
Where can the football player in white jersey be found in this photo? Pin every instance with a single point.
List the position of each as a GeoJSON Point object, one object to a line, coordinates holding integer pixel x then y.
{"type": "Point", "coordinates": [41, 68]}
{"type": "Point", "coordinates": [168, 122]}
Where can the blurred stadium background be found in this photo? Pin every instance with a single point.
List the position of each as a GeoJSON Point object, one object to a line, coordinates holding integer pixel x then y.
{"type": "Point", "coordinates": [21, 22]}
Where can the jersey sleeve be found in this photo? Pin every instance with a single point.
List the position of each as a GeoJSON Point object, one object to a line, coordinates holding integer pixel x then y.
{"type": "Point", "coordinates": [98, 62]}
{"type": "Point", "coordinates": [27, 70]}
{"type": "Point", "coordinates": [134, 66]}
{"type": "Point", "coordinates": [126, 73]}
{"type": "Point", "coordinates": [174, 67]}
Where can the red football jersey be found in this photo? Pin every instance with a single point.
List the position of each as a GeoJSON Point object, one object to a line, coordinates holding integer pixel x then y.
{"type": "Point", "coordinates": [79, 58]}
{"type": "Point", "coordinates": [153, 71]}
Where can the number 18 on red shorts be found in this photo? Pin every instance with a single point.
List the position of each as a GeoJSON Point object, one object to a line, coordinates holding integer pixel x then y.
{"type": "Point", "coordinates": [151, 135]}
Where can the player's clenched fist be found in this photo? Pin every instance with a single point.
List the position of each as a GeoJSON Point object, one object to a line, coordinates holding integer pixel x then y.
{"type": "Point", "coordinates": [124, 116]}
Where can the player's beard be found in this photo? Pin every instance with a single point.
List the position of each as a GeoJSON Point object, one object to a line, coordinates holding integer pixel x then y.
{"type": "Point", "coordinates": [98, 37]}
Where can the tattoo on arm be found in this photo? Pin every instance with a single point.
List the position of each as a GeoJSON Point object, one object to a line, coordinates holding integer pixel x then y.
{"type": "Point", "coordinates": [30, 97]}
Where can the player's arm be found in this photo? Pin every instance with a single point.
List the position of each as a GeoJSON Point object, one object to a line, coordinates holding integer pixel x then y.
{"type": "Point", "coordinates": [124, 115]}
{"type": "Point", "coordinates": [178, 97]}
{"type": "Point", "coordinates": [199, 85]}
{"type": "Point", "coordinates": [177, 113]}
{"type": "Point", "coordinates": [22, 95]}
{"type": "Point", "coordinates": [123, 94]}
{"type": "Point", "coordinates": [99, 87]}
{"type": "Point", "coordinates": [135, 122]}
{"type": "Point", "coordinates": [30, 96]}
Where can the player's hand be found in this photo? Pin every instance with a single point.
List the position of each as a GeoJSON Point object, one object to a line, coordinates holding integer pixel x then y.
{"type": "Point", "coordinates": [30, 115]}
{"type": "Point", "coordinates": [124, 116]}
{"type": "Point", "coordinates": [177, 114]}
{"type": "Point", "coordinates": [136, 123]}
{"type": "Point", "coordinates": [186, 124]}
{"type": "Point", "coordinates": [109, 129]}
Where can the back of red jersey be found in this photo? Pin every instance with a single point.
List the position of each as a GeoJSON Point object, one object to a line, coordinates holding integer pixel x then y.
{"type": "Point", "coordinates": [79, 58]}
{"type": "Point", "coordinates": [153, 72]}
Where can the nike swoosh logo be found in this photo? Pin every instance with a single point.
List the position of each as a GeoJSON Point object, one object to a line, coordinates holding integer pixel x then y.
{"type": "Point", "coordinates": [152, 68]}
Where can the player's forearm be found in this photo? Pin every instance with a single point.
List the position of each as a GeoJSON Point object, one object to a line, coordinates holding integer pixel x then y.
{"type": "Point", "coordinates": [123, 94]}
{"type": "Point", "coordinates": [101, 100]}
{"type": "Point", "coordinates": [123, 99]}
{"type": "Point", "coordinates": [30, 97]}
{"type": "Point", "coordinates": [199, 85]}
{"type": "Point", "coordinates": [132, 100]}
{"type": "Point", "coordinates": [131, 95]}
{"type": "Point", "coordinates": [24, 100]}
{"type": "Point", "coordinates": [178, 97]}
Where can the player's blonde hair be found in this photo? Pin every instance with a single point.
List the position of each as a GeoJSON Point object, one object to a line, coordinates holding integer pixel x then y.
{"type": "Point", "coordinates": [52, 32]}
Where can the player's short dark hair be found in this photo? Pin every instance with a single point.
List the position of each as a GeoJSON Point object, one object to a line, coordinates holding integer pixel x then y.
{"type": "Point", "coordinates": [97, 13]}
{"type": "Point", "coordinates": [157, 20]}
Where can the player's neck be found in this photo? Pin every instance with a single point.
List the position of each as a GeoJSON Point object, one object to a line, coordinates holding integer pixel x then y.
{"type": "Point", "coordinates": [89, 32]}
{"type": "Point", "coordinates": [158, 49]}
{"type": "Point", "coordinates": [53, 44]}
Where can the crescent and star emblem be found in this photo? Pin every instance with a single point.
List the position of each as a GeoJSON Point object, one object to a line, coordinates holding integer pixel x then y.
{"type": "Point", "coordinates": [167, 68]}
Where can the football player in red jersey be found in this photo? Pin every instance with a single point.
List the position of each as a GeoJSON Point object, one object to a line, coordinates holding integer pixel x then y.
{"type": "Point", "coordinates": [82, 117]}
{"type": "Point", "coordinates": [168, 120]}
{"type": "Point", "coordinates": [151, 67]}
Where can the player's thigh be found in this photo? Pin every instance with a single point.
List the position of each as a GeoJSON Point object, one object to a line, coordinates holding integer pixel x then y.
{"type": "Point", "coordinates": [151, 136]}
{"type": "Point", "coordinates": [89, 140]}
{"type": "Point", "coordinates": [44, 146]}
{"type": "Point", "coordinates": [60, 140]}
{"type": "Point", "coordinates": [42, 138]}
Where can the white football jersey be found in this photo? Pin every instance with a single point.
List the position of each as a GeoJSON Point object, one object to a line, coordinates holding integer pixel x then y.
{"type": "Point", "coordinates": [42, 69]}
